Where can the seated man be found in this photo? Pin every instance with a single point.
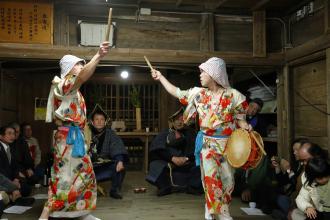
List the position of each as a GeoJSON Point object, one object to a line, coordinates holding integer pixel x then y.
{"type": "Point", "coordinates": [253, 118]}
{"type": "Point", "coordinates": [106, 145]}
{"type": "Point", "coordinates": [34, 148]}
{"type": "Point", "coordinates": [8, 164]}
{"type": "Point", "coordinates": [172, 162]}
{"type": "Point", "coordinates": [22, 156]}
{"type": "Point", "coordinates": [256, 185]}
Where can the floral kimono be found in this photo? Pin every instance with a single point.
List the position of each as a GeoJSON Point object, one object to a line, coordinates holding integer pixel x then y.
{"type": "Point", "coordinates": [72, 189]}
{"type": "Point", "coordinates": [217, 120]}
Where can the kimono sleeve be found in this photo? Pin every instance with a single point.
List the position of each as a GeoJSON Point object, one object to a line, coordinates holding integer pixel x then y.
{"type": "Point", "coordinates": [187, 96]}
{"type": "Point", "coordinates": [188, 99]}
{"type": "Point", "coordinates": [240, 105]}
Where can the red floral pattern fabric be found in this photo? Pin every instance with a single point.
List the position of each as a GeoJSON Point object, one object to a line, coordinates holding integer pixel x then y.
{"type": "Point", "coordinates": [72, 188]}
{"type": "Point", "coordinates": [217, 120]}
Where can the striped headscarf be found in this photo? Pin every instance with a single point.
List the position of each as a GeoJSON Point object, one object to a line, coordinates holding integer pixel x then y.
{"type": "Point", "coordinates": [67, 63]}
{"type": "Point", "coordinates": [216, 68]}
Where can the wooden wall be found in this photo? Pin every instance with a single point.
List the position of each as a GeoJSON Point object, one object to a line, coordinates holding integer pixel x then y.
{"type": "Point", "coordinates": [30, 86]}
{"type": "Point", "coordinates": [304, 82]}
{"type": "Point", "coordinates": [161, 30]}
{"type": "Point", "coordinates": [309, 95]}
{"type": "Point", "coordinates": [8, 97]}
{"type": "Point", "coordinates": [309, 27]}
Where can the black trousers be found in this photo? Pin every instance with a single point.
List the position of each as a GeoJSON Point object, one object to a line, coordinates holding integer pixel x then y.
{"type": "Point", "coordinates": [182, 176]}
{"type": "Point", "coordinates": [108, 171]}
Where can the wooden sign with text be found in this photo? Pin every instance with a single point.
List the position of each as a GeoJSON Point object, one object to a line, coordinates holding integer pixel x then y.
{"type": "Point", "coordinates": [26, 22]}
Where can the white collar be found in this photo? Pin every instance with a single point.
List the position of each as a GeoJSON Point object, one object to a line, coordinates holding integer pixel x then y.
{"type": "Point", "coordinates": [6, 146]}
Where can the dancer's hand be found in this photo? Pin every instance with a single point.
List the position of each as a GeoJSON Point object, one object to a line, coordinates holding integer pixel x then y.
{"type": "Point", "coordinates": [311, 213]}
{"type": "Point", "coordinates": [104, 49]}
{"type": "Point", "coordinates": [156, 74]}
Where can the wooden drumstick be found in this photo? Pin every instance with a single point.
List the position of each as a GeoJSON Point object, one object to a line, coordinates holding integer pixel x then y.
{"type": "Point", "coordinates": [149, 64]}
{"type": "Point", "coordinates": [258, 143]}
{"type": "Point", "coordinates": [107, 34]}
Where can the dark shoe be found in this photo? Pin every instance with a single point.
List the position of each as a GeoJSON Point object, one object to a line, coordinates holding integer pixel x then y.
{"type": "Point", "coordinates": [164, 191]}
{"type": "Point", "coordinates": [24, 201]}
{"type": "Point", "coordinates": [115, 195]}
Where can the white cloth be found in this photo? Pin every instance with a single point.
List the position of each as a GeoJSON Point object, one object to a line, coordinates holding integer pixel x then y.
{"type": "Point", "coordinates": [50, 105]}
{"type": "Point", "coordinates": [207, 215]}
{"type": "Point", "coordinates": [216, 68]}
{"type": "Point", "coordinates": [67, 63]}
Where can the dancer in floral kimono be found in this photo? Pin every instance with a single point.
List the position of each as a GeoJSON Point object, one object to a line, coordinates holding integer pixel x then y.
{"type": "Point", "coordinates": [221, 109]}
{"type": "Point", "coordinates": [72, 187]}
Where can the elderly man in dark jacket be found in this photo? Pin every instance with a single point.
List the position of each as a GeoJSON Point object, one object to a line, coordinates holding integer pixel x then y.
{"type": "Point", "coordinates": [8, 165]}
{"type": "Point", "coordinates": [109, 154]}
{"type": "Point", "coordinates": [172, 162]}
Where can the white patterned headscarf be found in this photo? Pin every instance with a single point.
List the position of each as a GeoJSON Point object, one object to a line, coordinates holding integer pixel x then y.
{"type": "Point", "coordinates": [67, 63]}
{"type": "Point", "coordinates": [216, 68]}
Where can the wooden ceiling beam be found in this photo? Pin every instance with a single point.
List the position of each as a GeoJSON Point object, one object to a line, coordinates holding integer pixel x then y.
{"type": "Point", "coordinates": [310, 47]}
{"type": "Point", "coordinates": [9, 51]}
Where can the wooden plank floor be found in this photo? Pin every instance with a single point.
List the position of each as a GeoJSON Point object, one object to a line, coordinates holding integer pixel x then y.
{"type": "Point", "coordinates": [144, 206]}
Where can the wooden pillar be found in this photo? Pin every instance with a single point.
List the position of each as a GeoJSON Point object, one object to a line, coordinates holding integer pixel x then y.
{"type": "Point", "coordinates": [60, 26]}
{"type": "Point", "coordinates": [326, 17]}
{"type": "Point", "coordinates": [284, 127]}
{"type": "Point", "coordinates": [207, 32]}
{"type": "Point", "coordinates": [259, 34]}
{"type": "Point", "coordinates": [328, 95]}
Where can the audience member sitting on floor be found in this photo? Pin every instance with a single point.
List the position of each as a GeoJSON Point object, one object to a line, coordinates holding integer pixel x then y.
{"type": "Point", "coordinates": [8, 164]}
{"type": "Point", "coordinates": [172, 162]}
{"type": "Point", "coordinates": [107, 145]}
{"type": "Point", "coordinates": [34, 148]}
{"type": "Point", "coordinates": [314, 196]}
{"type": "Point", "coordinates": [256, 185]}
{"type": "Point", "coordinates": [253, 118]}
{"type": "Point", "coordinates": [307, 151]}
{"type": "Point", "coordinates": [287, 176]}
{"type": "Point", "coordinates": [23, 156]}
{"type": "Point", "coordinates": [10, 193]}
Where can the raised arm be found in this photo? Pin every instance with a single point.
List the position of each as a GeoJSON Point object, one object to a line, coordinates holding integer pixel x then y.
{"type": "Point", "coordinates": [170, 88]}
{"type": "Point", "coordinates": [90, 67]}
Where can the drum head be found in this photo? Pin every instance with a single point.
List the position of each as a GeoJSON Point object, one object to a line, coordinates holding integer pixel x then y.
{"type": "Point", "coordinates": [238, 148]}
